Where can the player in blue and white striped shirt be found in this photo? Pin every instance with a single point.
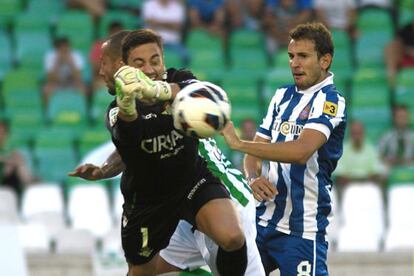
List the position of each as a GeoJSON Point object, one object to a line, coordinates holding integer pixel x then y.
{"type": "Point", "coordinates": [302, 136]}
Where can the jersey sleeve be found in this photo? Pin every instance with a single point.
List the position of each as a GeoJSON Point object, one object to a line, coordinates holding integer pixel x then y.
{"type": "Point", "coordinates": [328, 111]}
{"type": "Point", "coordinates": [181, 77]}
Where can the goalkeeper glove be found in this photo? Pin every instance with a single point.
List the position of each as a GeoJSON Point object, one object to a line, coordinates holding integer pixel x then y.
{"type": "Point", "coordinates": [145, 89]}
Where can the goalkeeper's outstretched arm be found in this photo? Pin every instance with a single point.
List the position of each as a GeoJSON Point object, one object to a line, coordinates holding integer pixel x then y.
{"type": "Point", "coordinates": [112, 166]}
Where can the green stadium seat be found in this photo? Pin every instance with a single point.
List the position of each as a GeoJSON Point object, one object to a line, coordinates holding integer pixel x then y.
{"type": "Point", "coordinates": [405, 84]}
{"type": "Point", "coordinates": [6, 54]}
{"type": "Point", "coordinates": [376, 20]}
{"type": "Point", "coordinates": [53, 164]}
{"type": "Point", "coordinates": [48, 10]}
{"type": "Point", "coordinates": [200, 39]}
{"type": "Point", "coordinates": [275, 78]}
{"type": "Point", "coordinates": [401, 175]}
{"type": "Point", "coordinates": [9, 9]}
{"type": "Point", "coordinates": [376, 119]}
{"type": "Point", "coordinates": [31, 47]}
{"type": "Point", "coordinates": [68, 108]}
{"type": "Point", "coordinates": [92, 138]}
{"type": "Point", "coordinates": [31, 22]}
{"type": "Point", "coordinates": [369, 48]}
{"type": "Point", "coordinates": [129, 21]}
{"type": "Point", "coordinates": [78, 27]}
{"type": "Point", "coordinates": [24, 126]}
{"type": "Point", "coordinates": [249, 59]}
{"type": "Point", "coordinates": [172, 58]}
{"type": "Point", "coordinates": [20, 79]}
{"type": "Point", "coordinates": [100, 101]}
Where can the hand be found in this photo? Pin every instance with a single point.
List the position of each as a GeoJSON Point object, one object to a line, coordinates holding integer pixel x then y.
{"type": "Point", "coordinates": [88, 172]}
{"type": "Point", "coordinates": [230, 135]}
{"type": "Point", "coordinates": [132, 80]}
{"type": "Point", "coordinates": [263, 189]}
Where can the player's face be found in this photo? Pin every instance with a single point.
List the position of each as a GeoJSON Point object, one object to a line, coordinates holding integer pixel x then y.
{"type": "Point", "coordinates": [149, 59]}
{"type": "Point", "coordinates": [108, 69]}
{"type": "Point", "coordinates": [307, 69]}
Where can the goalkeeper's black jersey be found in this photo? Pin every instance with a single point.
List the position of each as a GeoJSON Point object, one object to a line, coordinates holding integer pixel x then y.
{"type": "Point", "coordinates": [160, 161]}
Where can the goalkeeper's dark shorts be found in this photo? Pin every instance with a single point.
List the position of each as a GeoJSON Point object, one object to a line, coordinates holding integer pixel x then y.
{"type": "Point", "coordinates": [148, 227]}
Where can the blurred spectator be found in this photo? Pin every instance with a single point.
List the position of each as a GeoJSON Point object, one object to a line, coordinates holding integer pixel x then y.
{"type": "Point", "coordinates": [399, 52]}
{"type": "Point", "coordinates": [245, 13]}
{"type": "Point", "coordinates": [360, 161]}
{"type": "Point", "coordinates": [337, 15]}
{"type": "Point", "coordinates": [63, 66]}
{"type": "Point", "coordinates": [167, 17]}
{"type": "Point", "coordinates": [96, 8]}
{"type": "Point", "coordinates": [247, 129]}
{"type": "Point", "coordinates": [397, 145]}
{"type": "Point", "coordinates": [208, 15]}
{"type": "Point", "coordinates": [95, 54]}
{"type": "Point", "coordinates": [282, 15]}
{"type": "Point", "coordinates": [15, 171]}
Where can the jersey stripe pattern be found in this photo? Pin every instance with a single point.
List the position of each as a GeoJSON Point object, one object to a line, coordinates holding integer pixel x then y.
{"type": "Point", "coordinates": [303, 206]}
{"type": "Point", "coordinates": [223, 169]}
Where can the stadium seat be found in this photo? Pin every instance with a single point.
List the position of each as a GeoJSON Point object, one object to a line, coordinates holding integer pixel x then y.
{"type": "Point", "coordinates": [111, 242]}
{"type": "Point", "coordinates": [32, 22]}
{"type": "Point", "coordinates": [375, 20]}
{"type": "Point", "coordinates": [91, 139]}
{"type": "Point", "coordinates": [78, 27]}
{"type": "Point", "coordinates": [275, 78]}
{"type": "Point", "coordinates": [48, 10]}
{"type": "Point", "coordinates": [24, 126]}
{"type": "Point", "coordinates": [100, 101]}
{"type": "Point", "coordinates": [9, 9]}
{"type": "Point", "coordinates": [368, 56]}
{"type": "Point", "coordinates": [13, 258]}
{"type": "Point", "coordinates": [75, 241]}
{"type": "Point", "coordinates": [31, 48]}
{"type": "Point", "coordinates": [43, 203]}
{"type": "Point", "coordinates": [334, 225]}
{"type": "Point", "coordinates": [34, 238]}
{"type": "Point", "coordinates": [363, 218]}
{"type": "Point", "coordinates": [401, 175]}
{"type": "Point", "coordinates": [83, 214]}
{"type": "Point", "coordinates": [128, 20]}
{"type": "Point", "coordinates": [9, 213]}
{"type": "Point", "coordinates": [400, 219]}
{"type": "Point", "coordinates": [6, 54]}
{"type": "Point", "coordinates": [68, 108]}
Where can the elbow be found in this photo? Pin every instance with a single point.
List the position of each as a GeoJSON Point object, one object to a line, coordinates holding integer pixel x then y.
{"type": "Point", "coordinates": [303, 157]}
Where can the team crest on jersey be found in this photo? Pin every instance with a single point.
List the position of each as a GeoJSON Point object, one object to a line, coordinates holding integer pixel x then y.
{"type": "Point", "coordinates": [304, 114]}
{"type": "Point", "coordinates": [330, 108]}
{"type": "Point", "coordinates": [113, 116]}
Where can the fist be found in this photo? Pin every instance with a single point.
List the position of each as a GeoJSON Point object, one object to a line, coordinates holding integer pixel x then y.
{"type": "Point", "coordinates": [132, 81]}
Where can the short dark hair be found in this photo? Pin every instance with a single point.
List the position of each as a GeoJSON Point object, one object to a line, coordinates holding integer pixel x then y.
{"type": "Point", "coordinates": [59, 41]}
{"type": "Point", "coordinates": [114, 44]}
{"type": "Point", "coordinates": [137, 38]}
{"type": "Point", "coordinates": [316, 32]}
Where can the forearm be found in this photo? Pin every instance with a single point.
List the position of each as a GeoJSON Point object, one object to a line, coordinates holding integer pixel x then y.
{"type": "Point", "coordinates": [286, 152]}
{"type": "Point", "coordinates": [112, 166]}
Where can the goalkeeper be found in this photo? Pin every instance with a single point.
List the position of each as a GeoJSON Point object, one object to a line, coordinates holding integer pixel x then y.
{"type": "Point", "coordinates": [164, 178]}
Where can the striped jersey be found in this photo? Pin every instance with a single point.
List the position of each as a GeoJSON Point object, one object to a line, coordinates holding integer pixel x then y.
{"type": "Point", "coordinates": [223, 169]}
{"type": "Point", "coordinates": [303, 206]}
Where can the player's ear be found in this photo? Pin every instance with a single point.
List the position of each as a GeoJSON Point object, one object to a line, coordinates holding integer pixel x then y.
{"type": "Point", "coordinates": [326, 61]}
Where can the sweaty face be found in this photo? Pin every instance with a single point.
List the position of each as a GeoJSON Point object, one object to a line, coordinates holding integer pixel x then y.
{"type": "Point", "coordinates": [149, 59]}
{"type": "Point", "coordinates": [108, 68]}
{"type": "Point", "coordinates": [307, 69]}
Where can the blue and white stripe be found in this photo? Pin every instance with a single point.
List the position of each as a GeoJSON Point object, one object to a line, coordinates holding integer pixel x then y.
{"type": "Point", "coordinates": [303, 205]}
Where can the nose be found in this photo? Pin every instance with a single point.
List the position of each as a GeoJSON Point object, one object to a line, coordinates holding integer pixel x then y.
{"type": "Point", "coordinates": [147, 69]}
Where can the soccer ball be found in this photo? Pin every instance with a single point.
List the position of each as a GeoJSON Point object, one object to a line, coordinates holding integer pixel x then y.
{"type": "Point", "coordinates": [201, 110]}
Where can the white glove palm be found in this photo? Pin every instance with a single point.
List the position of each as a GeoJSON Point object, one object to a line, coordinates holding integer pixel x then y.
{"type": "Point", "coordinates": [130, 80]}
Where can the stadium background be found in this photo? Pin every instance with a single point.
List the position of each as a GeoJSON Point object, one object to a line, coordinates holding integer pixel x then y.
{"type": "Point", "coordinates": [55, 138]}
